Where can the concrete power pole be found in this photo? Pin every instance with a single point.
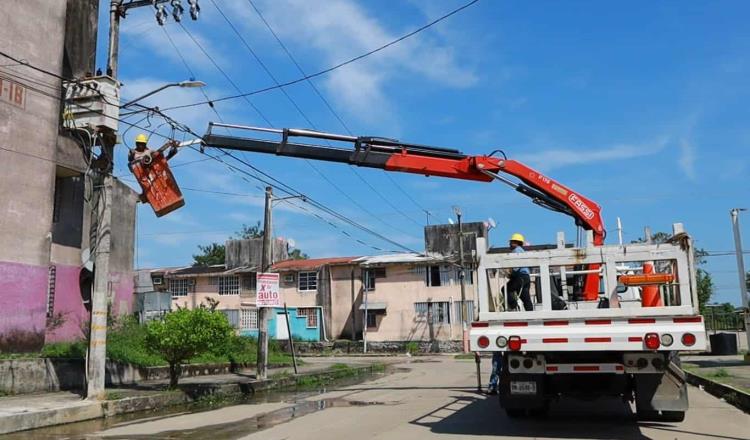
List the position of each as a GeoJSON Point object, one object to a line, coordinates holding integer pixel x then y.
{"type": "Point", "coordinates": [462, 280]}
{"type": "Point", "coordinates": [97, 352]}
{"type": "Point", "coordinates": [744, 300]}
{"type": "Point", "coordinates": [266, 260]}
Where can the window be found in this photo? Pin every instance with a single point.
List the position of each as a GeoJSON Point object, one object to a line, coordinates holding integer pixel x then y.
{"type": "Point", "coordinates": [289, 278]}
{"type": "Point", "coordinates": [372, 320]}
{"type": "Point", "coordinates": [433, 278]}
{"type": "Point", "coordinates": [469, 311]}
{"type": "Point", "coordinates": [308, 281]}
{"type": "Point", "coordinates": [311, 314]}
{"type": "Point", "coordinates": [67, 209]}
{"type": "Point", "coordinates": [229, 285]}
{"type": "Point", "coordinates": [233, 316]}
{"type": "Point", "coordinates": [157, 280]}
{"type": "Point", "coordinates": [438, 312]}
{"type": "Point", "coordinates": [180, 286]}
{"type": "Point", "coordinates": [249, 282]}
{"type": "Point", "coordinates": [248, 319]}
{"type": "Point", "coordinates": [369, 275]}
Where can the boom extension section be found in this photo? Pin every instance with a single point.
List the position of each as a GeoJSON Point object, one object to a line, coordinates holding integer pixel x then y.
{"type": "Point", "coordinates": [394, 155]}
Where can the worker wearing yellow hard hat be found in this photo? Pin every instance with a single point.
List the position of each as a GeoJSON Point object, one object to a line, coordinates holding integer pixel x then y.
{"type": "Point", "coordinates": [519, 282]}
{"type": "Point", "coordinates": [143, 154]}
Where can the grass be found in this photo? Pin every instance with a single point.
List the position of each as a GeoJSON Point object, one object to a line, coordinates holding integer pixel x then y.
{"type": "Point", "coordinates": [464, 356]}
{"type": "Point", "coordinates": [412, 347]}
{"type": "Point", "coordinates": [720, 373]}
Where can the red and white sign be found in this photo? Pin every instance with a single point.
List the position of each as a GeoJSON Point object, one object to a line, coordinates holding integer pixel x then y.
{"type": "Point", "coordinates": [268, 290]}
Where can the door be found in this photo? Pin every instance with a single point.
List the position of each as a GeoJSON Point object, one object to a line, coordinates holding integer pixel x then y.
{"type": "Point", "coordinates": [282, 332]}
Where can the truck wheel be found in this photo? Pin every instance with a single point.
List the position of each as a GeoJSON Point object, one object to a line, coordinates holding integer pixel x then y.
{"type": "Point", "coordinates": [515, 413]}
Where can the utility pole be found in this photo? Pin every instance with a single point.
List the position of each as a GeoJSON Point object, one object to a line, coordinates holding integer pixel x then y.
{"type": "Point", "coordinates": [462, 280]}
{"type": "Point", "coordinates": [265, 263]}
{"type": "Point", "coordinates": [744, 300]}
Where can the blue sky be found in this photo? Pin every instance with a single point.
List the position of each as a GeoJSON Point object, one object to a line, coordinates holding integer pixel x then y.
{"type": "Point", "coordinates": [641, 106]}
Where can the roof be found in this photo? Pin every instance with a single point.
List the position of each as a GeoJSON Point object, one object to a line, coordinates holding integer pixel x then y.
{"type": "Point", "coordinates": [311, 263]}
{"type": "Point", "coordinates": [396, 259]}
{"type": "Point", "coordinates": [217, 269]}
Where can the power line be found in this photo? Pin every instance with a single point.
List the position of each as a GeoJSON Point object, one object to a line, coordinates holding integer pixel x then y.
{"type": "Point", "coordinates": [279, 184]}
{"type": "Point", "coordinates": [226, 76]}
{"type": "Point", "coordinates": [335, 114]}
{"type": "Point", "coordinates": [309, 121]}
{"type": "Point", "coordinates": [337, 66]}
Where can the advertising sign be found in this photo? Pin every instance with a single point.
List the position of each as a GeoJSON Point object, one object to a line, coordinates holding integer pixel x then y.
{"type": "Point", "coordinates": [268, 290]}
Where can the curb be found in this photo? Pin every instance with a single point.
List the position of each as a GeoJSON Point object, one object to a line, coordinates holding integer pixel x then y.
{"type": "Point", "coordinates": [186, 394]}
{"type": "Point", "coordinates": [731, 395]}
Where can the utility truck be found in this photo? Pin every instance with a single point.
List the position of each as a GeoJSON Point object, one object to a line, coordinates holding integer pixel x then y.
{"type": "Point", "coordinates": [607, 320]}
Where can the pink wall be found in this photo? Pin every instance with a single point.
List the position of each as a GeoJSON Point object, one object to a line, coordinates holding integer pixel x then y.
{"type": "Point", "coordinates": [23, 295]}
{"type": "Point", "coordinates": [23, 301]}
{"type": "Point", "coordinates": [68, 301]}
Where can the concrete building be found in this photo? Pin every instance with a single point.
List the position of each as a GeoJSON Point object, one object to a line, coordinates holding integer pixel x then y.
{"type": "Point", "coordinates": [45, 181]}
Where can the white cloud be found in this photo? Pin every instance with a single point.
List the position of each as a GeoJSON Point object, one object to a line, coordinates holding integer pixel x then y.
{"type": "Point", "coordinates": [341, 29]}
{"type": "Point", "coordinates": [563, 157]}
{"type": "Point", "coordinates": [687, 158]}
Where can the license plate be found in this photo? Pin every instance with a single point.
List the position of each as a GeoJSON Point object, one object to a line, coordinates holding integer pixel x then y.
{"type": "Point", "coordinates": [522, 387]}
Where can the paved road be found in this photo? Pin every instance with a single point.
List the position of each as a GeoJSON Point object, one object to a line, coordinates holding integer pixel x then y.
{"type": "Point", "coordinates": [434, 399]}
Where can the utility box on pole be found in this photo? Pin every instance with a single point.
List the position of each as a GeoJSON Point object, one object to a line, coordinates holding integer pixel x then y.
{"type": "Point", "coordinates": [92, 103]}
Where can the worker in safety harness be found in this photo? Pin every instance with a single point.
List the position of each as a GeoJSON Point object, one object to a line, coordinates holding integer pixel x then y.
{"type": "Point", "coordinates": [142, 153]}
{"type": "Point", "coordinates": [519, 282]}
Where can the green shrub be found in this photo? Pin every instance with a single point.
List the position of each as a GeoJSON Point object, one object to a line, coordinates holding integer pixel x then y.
{"type": "Point", "coordinates": [412, 347]}
{"type": "Point", "coordinates": [69, 350]}
{"type": "Point", "coordinates": [184, 334]}
{"type": "Point", "coordinates": [126, 342]}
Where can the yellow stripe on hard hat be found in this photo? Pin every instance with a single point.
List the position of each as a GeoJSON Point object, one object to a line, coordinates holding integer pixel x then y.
{"type": "Point", "coordinates": [517, 237]}
{"type": "Point", "coordinates": [141, 139]}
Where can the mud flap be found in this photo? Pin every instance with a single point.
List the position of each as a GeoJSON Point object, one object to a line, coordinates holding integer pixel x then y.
{"type": "Point", "coordinates": [662, 392]}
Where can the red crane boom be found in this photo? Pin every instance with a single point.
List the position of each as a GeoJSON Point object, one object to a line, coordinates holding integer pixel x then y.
{"type": "Point", "coordinates": [393, 155]}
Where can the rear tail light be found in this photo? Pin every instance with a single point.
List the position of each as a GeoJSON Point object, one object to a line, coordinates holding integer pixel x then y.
{"type": "Point", "coordinates": [666, 339]}
{"type": "Point", "coordinates": [652, 341]}
{"type": "Point", "coordinates": [688, 339]}
{"type": "Point", "coordinates": [501, 341]}
{"type": "Point", "coordinates": [483, 342]}
{"type": "Point", "coordinates": [514, 343]}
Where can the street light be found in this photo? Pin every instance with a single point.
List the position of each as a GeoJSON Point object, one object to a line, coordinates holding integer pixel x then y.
{"type": "Point", "coordinates": [190, 84]}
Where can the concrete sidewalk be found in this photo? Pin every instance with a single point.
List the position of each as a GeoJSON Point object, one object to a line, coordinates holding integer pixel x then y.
{"type": "Point", "coordinates": [31, 411]}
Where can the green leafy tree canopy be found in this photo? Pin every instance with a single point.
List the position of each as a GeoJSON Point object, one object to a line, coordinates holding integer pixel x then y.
{"type": "Point", "coordinates": [184, 334]}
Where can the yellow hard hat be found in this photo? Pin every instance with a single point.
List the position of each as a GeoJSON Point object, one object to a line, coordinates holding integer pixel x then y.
{"type": "Point", "coordinates": [517, 237]}
{"type": "Point", "coordinates": [141, 139]}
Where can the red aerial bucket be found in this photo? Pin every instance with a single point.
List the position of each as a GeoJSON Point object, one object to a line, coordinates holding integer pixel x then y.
{"type": "Point", "coordinates": [159, 185]}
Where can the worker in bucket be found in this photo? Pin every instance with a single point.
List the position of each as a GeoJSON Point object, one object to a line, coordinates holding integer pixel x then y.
{"type": "Point", "coordinates": [142, 153]}
{"type": "Point", "coordinates": [519, 282]}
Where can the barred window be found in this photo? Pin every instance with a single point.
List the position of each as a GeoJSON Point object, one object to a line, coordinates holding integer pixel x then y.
{"type": "Point", "coordinates": [233, 316]}
{"type": "Point", "coordinates": [248, 319]}
{"type": "Point", "coordinates": [311, 314]}
{"type": "Point", "coordinates": [307, 281]}
{"type": "Point", "coordinates": [469, 310]}
{"type": "Point", "coordinates": [180, 286]}
{"type": "Point", "coordinates": [438, 311]}
{"type": "Point", "coordinates": [229, 285]}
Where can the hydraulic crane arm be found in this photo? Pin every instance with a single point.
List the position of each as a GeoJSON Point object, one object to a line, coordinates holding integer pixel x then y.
{"type": "Point", "coordinates": [393, 155]}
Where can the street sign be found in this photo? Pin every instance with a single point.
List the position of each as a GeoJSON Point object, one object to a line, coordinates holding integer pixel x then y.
{"type": "Point", "coordinates": [268, 290]}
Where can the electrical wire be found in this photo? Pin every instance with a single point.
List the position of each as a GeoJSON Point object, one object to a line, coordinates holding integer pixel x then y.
{"type": "Point", "coordinates": [339, 65]}
{"type": "Point", "coordinates": [279, 184]}
{"type": "Point", "coordinates": [330, 108]}
{"type": "Point", "coordinates": [313, 126]}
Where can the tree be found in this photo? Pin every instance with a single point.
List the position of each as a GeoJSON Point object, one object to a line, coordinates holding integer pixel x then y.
{"type": "Point", "coordinates": [214, 253]}
{"type": "Point", "coordinates": [297, 254]}
{"type": "Point", "coordinates": [254, 231]}
{"type": "Point", "coordinates": [702, 278]}
{"type": "Point", "coordinates": [184, 334]}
